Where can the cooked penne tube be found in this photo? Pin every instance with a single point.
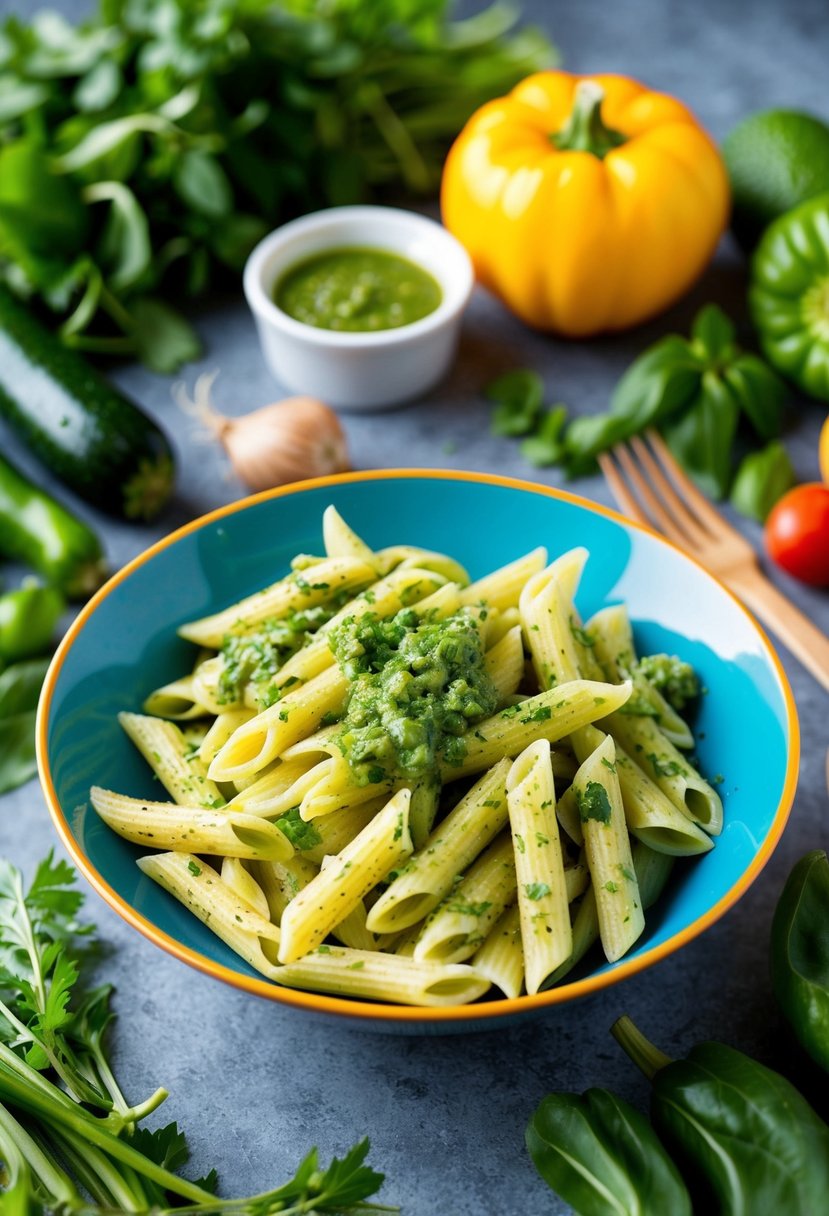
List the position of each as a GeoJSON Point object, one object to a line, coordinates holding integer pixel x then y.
{"type": "Point", "coordinates": [502, 588]}
{"type": "Point", "coordinates": [505, 663]}
{"type": "Point", "coordinates": [550, 715]}
{"type": "Point", "coordinates": [201, 890]}
{"type": "Point", "coordinates": [206, 686]}
{"type": "Point", "coordinates": [672, 771]}
{"type": "Point", "coordinates": [400, 589]}
{"type": "Point", "coordinates": [383, 977]}
{"type": "Point", "coordinates": [177, 766]}
{"type": "Point", "coordinates": [266, 736]}
{"type": "Point", "coordinates": [175, 700]}
{"type": "Point", "coordinates": [336, 830]}
{"type": "Point", "coordinates": [650, 815]}
{"type": "Point", "coordinates": [280, 788]}
{"type": "Point", "coordinates": [342, 541]}
{"type": "Point", "coordinates": [607, 850]}
{"type": "Point", "coordinates": [456, 842]}
{"type": "Point", "coordinates": [652, 873]}
{"type": "Point", "coordinates": [612, 636]}
{"type": "Point", "coordinates": [464, 919]}
{"type": "Point", "coordinates": [166, 825]}
{"type": "Point", "coordinates": [280, 881]}
{"type": "Point", "coordinates": [546, 935]}
{"type": "Point", "coordinates": [383, 844]}
{"type": "Point", "coordinates": [328, 579]}
{"type": "Point", "coordinates": [498, 623]}
{"type": "Point", "coordinates": [336, 788]}
{"type": "Point", "coordinates": [501, 958]}
{"type": "Point", "coordinates": [220, 731]}
{"type": "Point", "coordinates": [240, 880]}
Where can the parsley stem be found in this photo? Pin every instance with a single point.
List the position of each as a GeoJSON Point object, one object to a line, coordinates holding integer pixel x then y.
{"type": "Point", "coordinates": [94, 1168]}
{"type": "Point", "coordinates": [22, 1091]}
{"type": "Point", "coordinates": [21, 1154]}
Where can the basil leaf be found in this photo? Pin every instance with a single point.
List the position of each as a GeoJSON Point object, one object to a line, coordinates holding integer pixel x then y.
{"type": "Point", "coordinates": [202, 183]}
{"type": "Point", "coordinates": [17, 750]}
{"type": "Point", "coordinates": [604, 1158]}
{"type": "Point", "coordinates": [20, 686]}
{"type": "Point", "coordinates": [125, 243]}
{"type": "Point", "coordinates": [518, 397]}
{"type": "Point", "coordinates": [163, 339]}
{"type": "Point", "coordinates": [713, 334]}
{"type": "Point", "coordinates": [546, 446]}
{"type": "Point", "coordinates": [760, 392]}
{"type": "Point", "coordinates": [762, 478]}
{"type": "Point", "coordinates": [99, 87]}
{"type": "Point", "coordinates": [40, 212]}
{"type": "Point", "coordinates": [703, 438]}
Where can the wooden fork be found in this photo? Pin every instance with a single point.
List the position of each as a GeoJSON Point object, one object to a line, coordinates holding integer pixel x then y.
{"type": "Point", "coordinates": [650, 487]}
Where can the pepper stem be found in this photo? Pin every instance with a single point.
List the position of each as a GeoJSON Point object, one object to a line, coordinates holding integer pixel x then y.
{"type": "Point", "coordinates": [584, 130]}
{"type": "Point", "coordinates": [643, 1053]}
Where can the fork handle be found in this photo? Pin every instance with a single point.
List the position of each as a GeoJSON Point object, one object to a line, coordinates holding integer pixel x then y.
{"type": "Point", "coordinates": [806, 642]}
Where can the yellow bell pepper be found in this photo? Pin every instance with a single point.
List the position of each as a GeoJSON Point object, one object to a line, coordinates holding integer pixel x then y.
{"type": "Point", "coordinates": [586, 204]}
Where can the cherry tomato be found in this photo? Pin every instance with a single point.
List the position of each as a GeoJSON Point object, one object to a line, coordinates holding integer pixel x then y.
{"type": "Point", "coordinates": [797, 533]}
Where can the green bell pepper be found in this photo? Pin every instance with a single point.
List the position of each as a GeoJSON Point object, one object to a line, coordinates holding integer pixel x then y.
{"type": "Point", "coordinates": [743, 1129]}
{"type": "Point", "coordinates": [800, 953]}
{"type": "Point", "coordinates": [789, 295]}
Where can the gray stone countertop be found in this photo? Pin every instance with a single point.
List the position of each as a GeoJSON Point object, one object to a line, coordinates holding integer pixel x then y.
{"type": "Point", "coordinates": [256, 1084]}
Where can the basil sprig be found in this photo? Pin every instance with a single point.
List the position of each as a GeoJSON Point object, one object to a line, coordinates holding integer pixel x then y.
{"type": "Point", "coordinates": [696, 391]}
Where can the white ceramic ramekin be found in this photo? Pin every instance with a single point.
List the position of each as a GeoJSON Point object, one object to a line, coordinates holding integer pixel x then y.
{"type": "Point", "coordinates": [359, 371]}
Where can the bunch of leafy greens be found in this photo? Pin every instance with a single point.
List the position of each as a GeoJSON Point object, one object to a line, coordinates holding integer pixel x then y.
{"type": "Point", "coordinates": [697, 391]}
{"type": "Point", "coordinates": [69, 1141]}
{"type": "Point", "coordinates": [20, 685]}
{"type": "Point", "coordinates": [145, 152]}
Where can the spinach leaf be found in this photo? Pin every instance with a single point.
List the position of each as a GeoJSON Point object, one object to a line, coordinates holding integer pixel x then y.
{"type": "Point", "coordinates": [19, 691]}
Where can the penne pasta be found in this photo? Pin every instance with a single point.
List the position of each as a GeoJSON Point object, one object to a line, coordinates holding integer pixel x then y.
{"type": "Point", "coordinates": [546, 934]}
{"type": "Point", "coordinates": [177, 700]}
{"type": "Point", "coordinates": [166, 825]}
{"type": "Point", "coordinates": [383, 977]}
{"type": "Point", "coordinates": [501, 958]}
{"type": "Point", "coordinates": [459, 925]}
{"type": "Point", "coordinates": [177, 765]}
{"type": "Point", "coordinates": [201, 890]}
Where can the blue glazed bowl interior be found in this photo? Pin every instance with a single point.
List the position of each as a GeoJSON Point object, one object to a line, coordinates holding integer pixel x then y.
{"type": "Point", "coordinates": [128, 646]}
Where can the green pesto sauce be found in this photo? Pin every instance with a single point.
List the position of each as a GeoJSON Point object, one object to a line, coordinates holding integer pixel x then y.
{"type": "Point", "coordinates": [357, 290]}
{"type": "Point", "coordinates": [257, 657]}
{"type": "Point", "coordinates": [416, 687]}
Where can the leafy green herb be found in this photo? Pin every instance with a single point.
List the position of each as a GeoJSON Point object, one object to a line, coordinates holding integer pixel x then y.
{"type": "Point", "coordinates": [19, 691]}
{"type": "Point", "coordinates": [545, 446]}
{"type": "Point", "coordinates": [541, 713]}
{"type": "Point", "coordinates": [581, 635]}
{"type": "Point", "coordinates": [762, 478]}
{"type": "Point", "coordinates": [593, 802]}
{"type": "Point", "coordinates": [695, 390]}
{"type": "Point", "coordinates": [665, 768]}
{"type": "Point", "coordinates": [147, 150]}
{"type": "Point", "coordinates": [518, 396]}
{"type": "Point", "coordinates": [76, 1147]}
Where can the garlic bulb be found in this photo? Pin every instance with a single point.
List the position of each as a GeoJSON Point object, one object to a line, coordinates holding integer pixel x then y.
{"type": "Point", "coordinates": [290, 440]}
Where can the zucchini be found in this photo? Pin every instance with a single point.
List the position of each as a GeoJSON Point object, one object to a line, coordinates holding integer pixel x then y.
{"type": "Point", "coordinates": [87, 433]}
{"type": "Point", "coordinates": [37, 530]}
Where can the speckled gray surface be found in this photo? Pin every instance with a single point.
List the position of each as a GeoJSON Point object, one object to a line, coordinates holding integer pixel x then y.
{"type": "Point", "coordinates": [256, 1084]}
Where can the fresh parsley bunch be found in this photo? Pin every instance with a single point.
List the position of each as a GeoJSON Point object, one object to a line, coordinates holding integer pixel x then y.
{"type": "Point", "coordinates": [68, 1138]}
{"type": "Point", "coordinates": [144, 152]}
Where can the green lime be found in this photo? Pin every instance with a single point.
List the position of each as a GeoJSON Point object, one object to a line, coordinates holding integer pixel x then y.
{"type": "Point", "coordinates": [776, 160]}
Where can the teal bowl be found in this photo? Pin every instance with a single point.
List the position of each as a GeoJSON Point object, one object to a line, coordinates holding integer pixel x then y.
{"type": "Point", "coordinates": [124, 644]}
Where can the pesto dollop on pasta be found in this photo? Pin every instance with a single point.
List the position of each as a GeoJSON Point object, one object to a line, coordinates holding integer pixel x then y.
{"type": "Point", "coordinates": [416, 687]}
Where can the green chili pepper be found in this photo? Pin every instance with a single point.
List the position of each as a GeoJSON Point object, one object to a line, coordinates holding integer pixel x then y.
{"type": "Point", "coordinates": [604, 1158]}
{"type": "Point", "coordinates": [28, 618]}
{"type": "Point", "coordinates": [800, 953]}
{"type": "Point", "coordinates": [36, 529]}
{"type": "Point", "coordinates": [789, 295]}
{"type": "Point", "coordinates": [745, 1130]}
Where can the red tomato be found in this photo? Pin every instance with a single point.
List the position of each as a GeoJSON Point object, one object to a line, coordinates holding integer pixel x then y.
{"type": "Point", "coordinates": [797, 533]}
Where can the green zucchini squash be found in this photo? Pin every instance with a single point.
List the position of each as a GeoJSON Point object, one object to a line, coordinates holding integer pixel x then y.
{"type": "Point", "coordinates": [88, 434]}
{"type": "Point", "coordinates": [37, 530]}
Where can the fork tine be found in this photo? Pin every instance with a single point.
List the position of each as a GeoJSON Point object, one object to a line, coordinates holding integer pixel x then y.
{"type": "Point", "coordinates": [659, 517]}
{"type": "Point", "coordinates": [693, 528]}
{"type": "Point", "coordinates": [619, 490]}
{"type": "Point", "coordinates": [702, 508]}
